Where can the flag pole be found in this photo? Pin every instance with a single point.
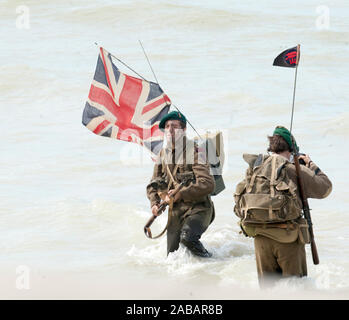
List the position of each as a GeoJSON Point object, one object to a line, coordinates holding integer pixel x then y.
{"type": "Point", "coordinates": [125, 64]}
{"type": "Point", "coordinates": [190, 124]}
{"type": "Point", "coordinates": [149, 62]}
{"type": "Point", "coordinates": [294, 95]}
{"type": "Point", "coordinates": [294, 86]}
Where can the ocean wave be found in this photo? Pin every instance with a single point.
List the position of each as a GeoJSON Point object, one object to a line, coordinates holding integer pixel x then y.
{"type": "Point", "coordinates": [337, 125]}
{"type": "Point", "coordinates": [163, 13]}
{"type": "Point", "coordinates": [230, 257]}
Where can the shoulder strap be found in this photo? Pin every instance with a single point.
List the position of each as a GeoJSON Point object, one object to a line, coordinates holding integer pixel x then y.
{"type": "Point", "coordinates": [272, 186]}
{"type": "Point", "coordinates": [273, 176]}
{"type": "Point", "coordinates": [173, 181]}
{"type": "Point", "coordinates": [162, 161]}
{"type": "Point", "coordinates": [254, 175]}
{"type": "Point", "coordinates": [166, 168]}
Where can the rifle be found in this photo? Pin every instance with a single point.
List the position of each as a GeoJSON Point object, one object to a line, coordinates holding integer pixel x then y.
{"type": "Point", "coordinates": [306, 209]}
{"type": "Point", "coordinates": [162, 207]}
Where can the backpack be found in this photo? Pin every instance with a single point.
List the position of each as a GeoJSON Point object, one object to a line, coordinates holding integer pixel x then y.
{"type": "Point", "coordinates": [213, 144]}
{"type": "Point", "coordinates": [267, 194]}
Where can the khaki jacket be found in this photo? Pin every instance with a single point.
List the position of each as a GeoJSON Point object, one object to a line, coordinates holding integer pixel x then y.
{"type": "Point", "coordinates": [185, 161]}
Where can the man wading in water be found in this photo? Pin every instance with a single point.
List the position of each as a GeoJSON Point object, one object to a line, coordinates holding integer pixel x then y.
{"type": "Point", "coordinates": [191, 209]}
{"type": "Point", "coordinates": [269, 204]}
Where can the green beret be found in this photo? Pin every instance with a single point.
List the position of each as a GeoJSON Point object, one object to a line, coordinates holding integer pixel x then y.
{"type": "Point", "coordinates": [174, 115]}
{"type": "Point", "coordinates": [283, 132]}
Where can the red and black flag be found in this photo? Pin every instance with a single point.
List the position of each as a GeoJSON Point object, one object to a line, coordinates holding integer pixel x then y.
{"type": "Point", "coordinates": [288, 58]}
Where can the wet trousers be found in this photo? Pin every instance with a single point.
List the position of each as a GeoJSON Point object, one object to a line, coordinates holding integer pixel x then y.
{"type": "Point", "coordinates": [186, 227]}
{"type": "Point", "coordinates": [276, 260]}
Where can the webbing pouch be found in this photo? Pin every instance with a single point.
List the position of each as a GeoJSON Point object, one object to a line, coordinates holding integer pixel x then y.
{"type": "Point", "coordinates": [304, 235]}
{"type": "Point", "coordinates": [263, 208]}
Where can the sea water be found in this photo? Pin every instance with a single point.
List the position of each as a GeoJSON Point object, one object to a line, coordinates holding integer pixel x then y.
{"type": "Point", "coordinates": [73, 204]}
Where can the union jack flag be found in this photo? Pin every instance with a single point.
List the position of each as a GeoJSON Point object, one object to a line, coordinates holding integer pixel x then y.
{"type": "Point", "coordinates": [123, 107]}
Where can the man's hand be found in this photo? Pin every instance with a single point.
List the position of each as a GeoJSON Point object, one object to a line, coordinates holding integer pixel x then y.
{"type": "Point", "coordinates": [169, 195]}
{"type": "Point", "coordinates": [306, 159]}
{"type": "Point", "coordinates": [154, 210]}
{"type": "Point", "coordinates": [176, 197]}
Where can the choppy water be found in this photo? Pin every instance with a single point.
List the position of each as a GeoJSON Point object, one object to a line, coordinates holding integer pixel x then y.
{"type": "Point", "coordinates": [74, 202]}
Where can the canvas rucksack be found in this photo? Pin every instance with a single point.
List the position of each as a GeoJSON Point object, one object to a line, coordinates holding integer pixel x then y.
{"type": "Point", "coordinates": [267, 194]}
{"type": "Point", "coordinates": [213, 144]}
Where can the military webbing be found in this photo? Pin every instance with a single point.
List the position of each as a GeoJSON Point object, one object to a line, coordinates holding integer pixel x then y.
{"type": "Point", "coordinates": [172, 182]}
{"type": "Point", "coordinates": [272, 186]}
{"type": "Point", "coordinates": [166, 166]}
{"type": "Point", "coordinates": [285, 225]}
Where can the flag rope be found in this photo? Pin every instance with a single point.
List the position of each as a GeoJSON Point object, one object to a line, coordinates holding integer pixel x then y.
{"type": "Point", "coordinates": [148, 81]}
{"type": "Point", "coordinates": [159, 85]}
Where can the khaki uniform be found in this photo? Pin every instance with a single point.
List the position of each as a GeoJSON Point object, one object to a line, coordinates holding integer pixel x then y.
{"type": "Point", "coordinates": [280, 250]}
{"type": "Point", "coordinates": [194, 211]}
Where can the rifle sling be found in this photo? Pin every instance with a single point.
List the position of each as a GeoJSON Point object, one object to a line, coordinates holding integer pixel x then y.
{"type": "Point", "coordinates": [147, 231]}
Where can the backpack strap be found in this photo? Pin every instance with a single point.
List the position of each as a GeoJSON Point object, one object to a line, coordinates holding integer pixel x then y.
{"type": "Point", "coordinates": [166, 168]}
{"type": "Point", "coordinates": [162, 157]}
{"type": "Point", "coordinates": [272, 186]}
{"type": "Point", "coordinates": [171, 174]}
{"type": "Point", "coordinates": [273, 177]}
{"type": "Point", "coordinates": [249, 186]}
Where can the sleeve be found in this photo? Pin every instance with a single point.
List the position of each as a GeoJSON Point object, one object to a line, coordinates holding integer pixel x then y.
{"type": "Point", "coordinates": [152, 192]}
{"type": "Point", "coordinates": [316, 184]}
{"type": "Point", "coordinates": [319, 186]}
{"type": "Point", "coordinates": [204, 183]}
